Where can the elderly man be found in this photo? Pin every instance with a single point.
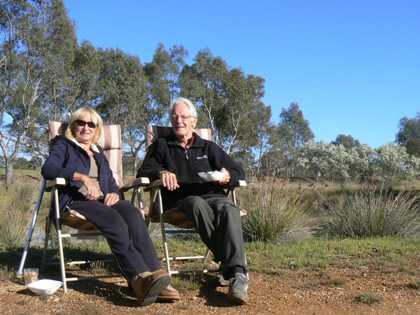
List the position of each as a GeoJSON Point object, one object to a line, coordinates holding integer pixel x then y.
{"type": "Point", "coordinates": [177, 160]}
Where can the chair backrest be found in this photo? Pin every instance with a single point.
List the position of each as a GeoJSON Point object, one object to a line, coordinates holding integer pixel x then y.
{"type": "Point", "coordinates": [155, 132]}
{"type": "Point", "coordinates": [110, 141]}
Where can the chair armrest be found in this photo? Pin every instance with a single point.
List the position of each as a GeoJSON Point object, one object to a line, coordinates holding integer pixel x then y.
{"type": "Point", "coordinates": [158, 182]}
{"type": "Point", "coordinates": [241, 183]}
{"type": "Point", "coordinates": [138, 182]}
{"type": "Point", "coordinates": [59, 181]}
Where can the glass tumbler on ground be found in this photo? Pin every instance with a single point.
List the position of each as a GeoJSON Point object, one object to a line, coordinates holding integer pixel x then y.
{"type": "Point", "coordinates": [30, 275]}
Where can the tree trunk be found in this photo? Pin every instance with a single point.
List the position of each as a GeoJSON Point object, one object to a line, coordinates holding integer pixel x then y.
{"type": "Point", "coordinates": [9, 174]}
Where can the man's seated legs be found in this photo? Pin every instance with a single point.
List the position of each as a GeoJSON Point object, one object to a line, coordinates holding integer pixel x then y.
{"type": "Point", "coordinates": [218, 222]}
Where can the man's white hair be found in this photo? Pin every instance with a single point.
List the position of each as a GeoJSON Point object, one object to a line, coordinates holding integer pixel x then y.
{"type": "Point", "coordinates": [182, 100]}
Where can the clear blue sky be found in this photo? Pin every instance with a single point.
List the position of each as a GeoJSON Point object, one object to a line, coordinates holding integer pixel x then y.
{"type": "Point", "coordinates": [352, 66]}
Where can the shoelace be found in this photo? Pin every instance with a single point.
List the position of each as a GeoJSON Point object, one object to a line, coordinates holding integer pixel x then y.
{"type": "Point", "coordinates": [240, 282]}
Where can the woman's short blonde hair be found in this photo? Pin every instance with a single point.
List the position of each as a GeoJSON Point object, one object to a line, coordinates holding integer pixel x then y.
{"type": "Point", "coordinates": [79, 114]}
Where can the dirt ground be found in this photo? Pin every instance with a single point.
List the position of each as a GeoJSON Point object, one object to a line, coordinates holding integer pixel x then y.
{"type": "Point", "coordinates": [332, 291]}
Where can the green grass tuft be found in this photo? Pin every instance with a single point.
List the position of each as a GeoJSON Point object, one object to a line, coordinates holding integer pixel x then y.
{"type": "Point", "coordinates": [372, 213]}
{"type": "Point", "coordinates": [369, 298]}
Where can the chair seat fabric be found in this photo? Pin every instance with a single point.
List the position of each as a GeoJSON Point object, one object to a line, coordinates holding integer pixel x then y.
{"type": "Point", "coordinates": [175, 217]}
{"type": "Point", "coordinates": [75, 220]}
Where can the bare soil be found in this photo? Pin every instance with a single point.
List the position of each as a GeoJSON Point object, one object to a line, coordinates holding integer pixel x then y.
{"type": "Point", "coordinates": [336, 290]}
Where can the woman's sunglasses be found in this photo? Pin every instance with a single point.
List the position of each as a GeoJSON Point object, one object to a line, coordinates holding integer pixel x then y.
{"type": "Point", "coordinates": [82, 123]}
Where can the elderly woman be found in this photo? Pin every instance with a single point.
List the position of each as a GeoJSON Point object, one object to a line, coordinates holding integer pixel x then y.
{"type": "Point", "coordinates": [92, 191]}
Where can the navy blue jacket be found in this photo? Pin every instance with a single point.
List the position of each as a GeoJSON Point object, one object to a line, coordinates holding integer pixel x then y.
{"type": "Point", "coordinates": [202, 156]}
{"type": "Point", "coordinates": [66, 158]}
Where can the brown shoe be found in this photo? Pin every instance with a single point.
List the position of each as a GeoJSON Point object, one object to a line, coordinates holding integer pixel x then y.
{"type": "Point", "coordinates": [169, 294]}
{"type": "Point", "coordinates": [148, 285]}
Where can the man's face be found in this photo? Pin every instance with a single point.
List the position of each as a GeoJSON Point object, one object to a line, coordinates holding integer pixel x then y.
{"type": "Point", "coordinates": [182, 121]}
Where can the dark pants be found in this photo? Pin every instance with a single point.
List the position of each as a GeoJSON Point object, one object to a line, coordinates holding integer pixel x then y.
{"type": "Point", "coordinates": [218, 222]}
{"type": "Point", "coordinates": [124, 227]}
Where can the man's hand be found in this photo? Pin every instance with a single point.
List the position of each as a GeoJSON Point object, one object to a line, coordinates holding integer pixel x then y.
{"type": "Point", "coordinates": [111, 198]}
{"type": "Point", "coordinates": [225, 180]}
{"type": "Point", "coordinates": [169, 180]}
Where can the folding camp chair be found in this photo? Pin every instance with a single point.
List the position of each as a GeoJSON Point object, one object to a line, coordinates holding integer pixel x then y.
{"type": "Point", "coordinates": [174, 221]}
{"type": "Point", "coordinates": [110, 141]}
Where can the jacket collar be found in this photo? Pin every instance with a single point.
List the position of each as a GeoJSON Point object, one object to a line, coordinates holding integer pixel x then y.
{"type": "Point", "coordinates": [198, 141]}
{"type": "Point", "coordinates": [93, 146]}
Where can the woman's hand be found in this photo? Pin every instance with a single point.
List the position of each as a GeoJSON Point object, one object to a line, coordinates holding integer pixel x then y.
{"type": "Point", "coordinates": [111, 198]}
{"type": "Point", "coordinates": [93, 191]}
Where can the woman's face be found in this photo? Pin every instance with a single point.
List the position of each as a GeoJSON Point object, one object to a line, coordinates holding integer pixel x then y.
{"type": "Point", "coordinates": [84, 130]}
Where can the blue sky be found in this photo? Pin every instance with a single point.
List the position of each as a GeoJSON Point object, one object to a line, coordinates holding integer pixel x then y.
{"type": "Point", "coordinates": [352, 66]}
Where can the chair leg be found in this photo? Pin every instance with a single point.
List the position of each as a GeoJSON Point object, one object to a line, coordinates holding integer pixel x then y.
{"type": "Point", "coordinates": [31, 230]}
{"type": "Point", "coordinates": [206, 256]}
{"type": "Point", "coordinates": [61, 253]}
{"type": "Point", "coordinates": [46, 241]}
{"type": "Point", "coordinates": [162, 228]}
{"type": "Point", "coordinates": [60, 240]}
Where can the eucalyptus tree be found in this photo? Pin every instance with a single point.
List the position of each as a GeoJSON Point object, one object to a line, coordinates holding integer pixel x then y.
{"type": "Point", "coordinates": [229, 102]}
{"type": "Point", "coordinates": [36, 49]}
{"type": "Point", "coordinates": [347, 141]}
{"type": "Point", "coordinates": [393, 162]}
{"type": "Point", "coordinates": [409, 134]}
{"type": "Point", "coordinates": [121, 98]}
{"type": "Point", "coordinates": [243, 114]}
{"type": "Point", "coordinates": [203, 83]}
{"type": "Point", "coordinates": [162, 75]}
{"type": "Point", "coordinates": [324, 160]}
{"type": "Point", "coordinates": [360, 158]}
{"type": "Point", "coordinates": [244, 120]}
{"type": "Point", "coordinates": [76, 90]}
{"type": "Point", "coordinates": [251, 147]}
{"type": "Point", "coordinates": [291, 133]}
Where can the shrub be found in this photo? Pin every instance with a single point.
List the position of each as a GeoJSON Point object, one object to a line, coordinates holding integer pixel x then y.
{"type": "Point", "coordinates": [414, 285]}
{"type": "Point", "coordinates": [372, 213]}
{"type": "Point", "coordinates": [369, 298]}
{"type": "Point", "coordinates": [277, 214]}
{"type": "Point", "coordinates": [16, 211]}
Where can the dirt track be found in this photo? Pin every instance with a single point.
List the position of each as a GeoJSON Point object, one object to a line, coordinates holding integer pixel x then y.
{"type": "Point", "coordinates": [334, 291]}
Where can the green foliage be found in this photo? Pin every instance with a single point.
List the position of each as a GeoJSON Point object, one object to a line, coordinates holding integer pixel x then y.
{"type": "Point", "coordinates": [370, 212]}
{"type": "Point", "coordinates": [37, 45]}
{"type": "Point", "coordinates": [45, 74]}
{"type": "Point", "coordinates": [369, 298]}
{"type": "Point", "coordinates": [15, 212]}
{"type": "Point", "coordinates": [5, 273]}
{"type": "Point", "coordinates": [347, 141]}
{"type": "Point", "coordinates": [316, 253]}
{"type": "Point", "coordinates": [324, 159]}
{"type": "Point", "coordinates": [389, 162]}
{"type": "Point", "coordinates": [414, 285]}
{"type": "Point", "coordinates": [278, 214]}
{"type": "Point", "coordinates": [228, 101]}
{"type": "Point", "coordinates": [286, 139]}
{"type": "Point", "coordinates": [293, 129]}
{"type": "Point", "coordinates": [393, 162]}
{"type": "Point", "coordinates": [409, 134]}
{"type": "Point", "coordinates": [162, 75]}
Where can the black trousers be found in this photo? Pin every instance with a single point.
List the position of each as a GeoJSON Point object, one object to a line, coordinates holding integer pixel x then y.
{"type": "Point", "coordinates": [124, 227]}
{"type": "Point", "coordinates": [218, 221]}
